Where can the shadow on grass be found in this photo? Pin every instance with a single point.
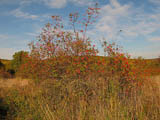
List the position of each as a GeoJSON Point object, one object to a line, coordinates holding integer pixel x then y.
{"type": "Point", "coordinates": [3, 109]}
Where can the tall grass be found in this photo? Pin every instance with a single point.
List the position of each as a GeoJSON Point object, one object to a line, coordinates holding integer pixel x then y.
{"type": "Point", "coordinates": [82, 99]}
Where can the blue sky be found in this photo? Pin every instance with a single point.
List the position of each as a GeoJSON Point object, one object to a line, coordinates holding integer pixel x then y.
{"type": "Point", "coordinates": [22, 20]}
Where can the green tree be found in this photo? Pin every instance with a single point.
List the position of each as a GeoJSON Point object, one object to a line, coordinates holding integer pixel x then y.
{"type": "Point", "coordinates": [18, 59]}
{"type": "Point", "coordinates": [2, 66]}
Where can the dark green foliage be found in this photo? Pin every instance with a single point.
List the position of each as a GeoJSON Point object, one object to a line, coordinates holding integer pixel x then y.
{"type": "Point", "coordinates": [3, 109]}
{"type": "Point", "coordinates": [11, 72]}
{"type": "Point", "coordinates": [18, 59]}
{"type": "Point", "coordinates": [2, 66]}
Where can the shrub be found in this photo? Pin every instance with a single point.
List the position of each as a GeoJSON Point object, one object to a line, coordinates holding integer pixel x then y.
{"type": "Point", "coordinates": [75, 83]}
{"type": "Point", "coordinates": [2, 66]}
{"type": "Point", "coordinates": [59, 51]}
{"type": "Point", "coordinates": [18, 60]}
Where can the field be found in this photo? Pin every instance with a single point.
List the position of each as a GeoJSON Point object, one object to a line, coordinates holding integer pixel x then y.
{"type": "Point", "coordinates": [63, 77]}
{"type": "Point", "coordinates": [95, 97]}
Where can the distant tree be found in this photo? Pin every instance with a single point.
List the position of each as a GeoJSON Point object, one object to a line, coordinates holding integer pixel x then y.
{"type": "Point", "coordinates": [18, 59]}
{"type": "Point", "coordinates": [140, 58]}
{"type": "Point", "coordinates": [2, 66]}
{"type": "Point", "coordinates": [2, 69]}
{"type": "Point", "coordinates": [158, 61]}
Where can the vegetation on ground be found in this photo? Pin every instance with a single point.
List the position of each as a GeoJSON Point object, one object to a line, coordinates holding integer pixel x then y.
{"type": "Point", "coordinates": [67, 80]}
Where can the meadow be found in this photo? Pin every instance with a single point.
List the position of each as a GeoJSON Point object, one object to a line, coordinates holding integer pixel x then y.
{"type": "Point", "coordinates": [62, 77]}
{"type": "Point", "coordinates": [98, 95]}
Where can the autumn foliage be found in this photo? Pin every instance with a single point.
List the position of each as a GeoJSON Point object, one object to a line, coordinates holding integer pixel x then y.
{"type": "Point", "coordinates": [60, 53]}
{"type": "Point", "coordinates": [69, 80]}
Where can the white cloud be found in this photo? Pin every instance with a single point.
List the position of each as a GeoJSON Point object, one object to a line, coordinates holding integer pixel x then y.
{"type": "Point", "coordinates": [25, 2]}
{"type": "Point", "coordinates": [3, 37]}
{"type": "Point", "coordinates": [8, 1]}
{"type": "Point", "coordinates": [59, 3]}
{"type": "Point", "coordinates": [155, 1]}
{"type": "Point", "coordinates": [115, 3]}
{"type": "Point", "coordinates": [20, 14]}
{"type": "Point", "coordinates": [133, 21]}
{"type": "Point", "coordinates": [35, 33]}
{"type": "Point", "coordinates": [50, 3]}
{"type": "Point", "coordinates": [6, 53]}
{"type": "Point", "coordinates": [111, 18]}
{"type": "Point", "coordinates": [32, 34]}
{"type": "Point", "coordinates": [83, 2]}
{"type": "Point", "coordinates": [145, 53]}
{"type": "Point", "coordinates": [155, 39]}
{"type": "Point", "coordinates": [55, 3]}
{"type": "Point", "coordinates": [63, 3]}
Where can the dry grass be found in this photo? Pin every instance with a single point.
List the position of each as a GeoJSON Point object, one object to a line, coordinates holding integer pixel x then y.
{"type": "Point", "coordinates": [57, 100]}
{"type": "Point", "coordinates": [7, 83]}
{"type": "Point", "coordinates": [156, 80]}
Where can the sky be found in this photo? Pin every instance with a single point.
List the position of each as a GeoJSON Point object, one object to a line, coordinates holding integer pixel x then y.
{"type": "Point", "coordinates": [21, 21]}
